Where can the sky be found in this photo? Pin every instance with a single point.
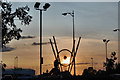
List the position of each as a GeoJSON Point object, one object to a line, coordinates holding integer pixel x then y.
{"type": "Point", "coordinates": [91, 19]}
{"type": "Point", "coordinates": [94, 21]}
{"type": "Point", "coordinates": [67, 0]}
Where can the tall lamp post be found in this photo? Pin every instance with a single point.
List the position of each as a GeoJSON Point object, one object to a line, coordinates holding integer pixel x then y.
{"type": "Point", "coordinates": [118, 30]}
{"type": "Point", "coordinates": [45, 7]}
{"type": "Point", "coordinates": [72, 14]}
{"type": "Point", "coordinates": [92, 61]}
{"type": "Point", "coordinates": [16, 62]}
{"type": "Point", "coordinates": [106, 42]}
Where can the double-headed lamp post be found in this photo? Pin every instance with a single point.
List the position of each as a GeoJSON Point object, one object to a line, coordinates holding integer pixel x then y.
{"type": "Point", "coordinates": [45, 7]}
{"type": "Point", "coordinates": [72, 14]}
{"type": "Point", "coordinates": [106, 41]}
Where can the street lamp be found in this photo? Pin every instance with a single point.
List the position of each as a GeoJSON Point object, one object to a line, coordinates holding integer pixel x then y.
{"type": "Point", "coordinates": [92, 61]}
{"type": "Point", "coordinates": [106, 41]}
{"type": "Point", "coordinates": [72, 14]}
{"type": "Point", "coordinates": [45, 7]}
{"type": "Point", "coordinates": [16, 62]}
{"type": "Point", "coordinates": [116, 30]}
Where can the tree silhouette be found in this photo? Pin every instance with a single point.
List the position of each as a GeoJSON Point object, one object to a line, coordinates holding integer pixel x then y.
{"type": "Point", "coordinates": [111, 65]}
{"type": "Point", "coordinates": [9, 28]}
{"type": "Point", "coordinates": [4, 66]}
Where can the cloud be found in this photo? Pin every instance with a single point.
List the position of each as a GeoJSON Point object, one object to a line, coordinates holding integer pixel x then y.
{"type": "Point", "coordinates": [84, 63]}
{"type": "Point", "coordinates": [44, 43]}
{"type": "Point", "coordinates": [27, 37]}
{"type": "Point", "coordinates": [7, 49]}
{"type": "Point", "coordinates": [76, 64]}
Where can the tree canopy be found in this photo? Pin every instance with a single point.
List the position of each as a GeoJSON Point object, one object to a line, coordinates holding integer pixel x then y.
{"type": "Point", "coordinates": [9, 28]}
{"type": "Point", "coordinates": [110, 64]}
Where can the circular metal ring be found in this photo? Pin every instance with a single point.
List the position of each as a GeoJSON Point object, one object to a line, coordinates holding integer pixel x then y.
{"type": "Point", "coordinates": [65, 65]}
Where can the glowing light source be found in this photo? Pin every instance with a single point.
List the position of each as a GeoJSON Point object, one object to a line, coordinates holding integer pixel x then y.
{"type": "Point", "coordinates": [65, 57]}
{"type": "Point", "coordinates": [65, 60]}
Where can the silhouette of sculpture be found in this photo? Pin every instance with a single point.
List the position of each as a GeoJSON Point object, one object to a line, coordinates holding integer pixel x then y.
{"type": "Point", "coordinates": [55, 70]}
{"type": "Point", "coordinates": [56, 63]}
{"type": "Point", "coordinates": [47, 71]}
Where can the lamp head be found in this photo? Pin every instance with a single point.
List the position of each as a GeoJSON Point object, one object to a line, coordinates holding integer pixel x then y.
{"type": "Point", "coordinates": [115, 30]}
{"type": "Point", "coordinates": [36, 6]}
{"type": "Point", "coordinates": [16, 57]}
{"type": "Point", "coordinates": [108, 41]}
{"type": "Point", "coordinates": [64, 14]}
{"type": "Point", "coordinates": [104, 40]}
{"type": "Point", "coordinates": [47, 5]}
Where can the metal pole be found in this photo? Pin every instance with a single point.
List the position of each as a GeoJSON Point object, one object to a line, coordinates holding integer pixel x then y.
{"type": "Point", "coordinates": [106, 51]}
{"type": "Point", "coordinates": [40, 42]}
{"type": "Point", "coordinates": [56, 47]}
{"type": "Point", "coordinates": [53, 48]}
{"type": "Point", "coordinates": [16, 62]}
{"type": "Point", "coordinates": [73, 30]}
{"type": "Point", "coordinates": [92, 61]}
{"type": "Point", "coordinates": [72, 56]}
{"type": "Point", "coordinates": [74, 42]}
{"type": "Point", "coordinates": [75, 52]}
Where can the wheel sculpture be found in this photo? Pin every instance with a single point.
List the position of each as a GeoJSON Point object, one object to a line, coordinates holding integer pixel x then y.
{"type": "Point", "coordinates": [61, 55]}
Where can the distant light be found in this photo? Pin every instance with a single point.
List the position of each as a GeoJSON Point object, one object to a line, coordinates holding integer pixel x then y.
{"type": "Point", "coordinates": [66, 61]}
{"type": "Point", "coordinates": [37, 4]}
{"type": "Point", "coordinates": [47, 5]}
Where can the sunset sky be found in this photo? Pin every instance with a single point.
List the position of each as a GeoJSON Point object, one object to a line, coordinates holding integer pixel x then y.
{"type": "Point", "coordinates": [94, 21]}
